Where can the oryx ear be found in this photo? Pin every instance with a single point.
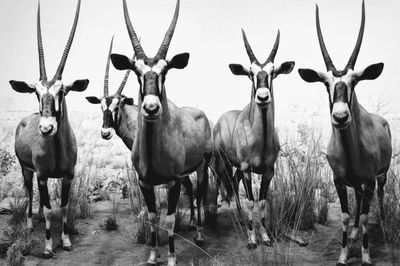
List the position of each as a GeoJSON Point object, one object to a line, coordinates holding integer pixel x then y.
{"type": "Point", "coordinates": [179, 61]}
{"type": "Point", "coordinates": [310, 75]}
{"type": "Point", "coordinates": [284, 68]}
{"type": "Point", "coordinates": [21, 86]}
{"type": "Point", "coordinates": [370, 72]}
{"type": "Point", "coordinates": [238, 69]}
{"type": "Point", "coordinates": [77, 85]}
{"type": "Point", "coordinates": [128, 101]}
{"type": "Point", "coordinates": [93, 99]}
{"type": "Point", "coordinates": [122, 62]}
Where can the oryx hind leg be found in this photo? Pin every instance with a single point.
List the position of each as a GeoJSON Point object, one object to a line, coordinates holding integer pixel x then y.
{"type": "Point", "coordinates": [28, 182]}
{"type": "Point", "coordinates": [45, 202]}
{"type": "Point", "coordinates": [150, 199]}
{"type": "Point", "coordinates": [66, 186]}
{"type": "Point", "coordinates": [381, 184]}
{"type": "Point", "coordinates": [224, 173]}
{"type": "Point", "coordinates": [189, 191]}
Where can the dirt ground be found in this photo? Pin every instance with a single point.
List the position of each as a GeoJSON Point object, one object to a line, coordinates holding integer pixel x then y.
{"type": "Point", "coordinates": [95, 246]}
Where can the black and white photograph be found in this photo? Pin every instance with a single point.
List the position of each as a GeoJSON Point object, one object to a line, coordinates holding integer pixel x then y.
{"type": "Point", "coordinates": [199, 132]}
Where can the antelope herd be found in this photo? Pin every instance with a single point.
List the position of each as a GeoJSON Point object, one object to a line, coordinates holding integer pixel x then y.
{"type": "Point", "coordinates": [168, 143]}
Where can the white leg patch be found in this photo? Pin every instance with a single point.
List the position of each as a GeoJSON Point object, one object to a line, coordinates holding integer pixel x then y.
{"type": "Point", "coordinates": [153, 256]}
{"type": "Point", "coordinates": [354, 234]}
{"type": "Point", "coordinates": [29, 223]}
{"type": "Point", "coordinates": [171, 259]}
{"type": "Point", "coordinates": [365, 258]}
{"type": "Point", "coordinates": [343, 255]}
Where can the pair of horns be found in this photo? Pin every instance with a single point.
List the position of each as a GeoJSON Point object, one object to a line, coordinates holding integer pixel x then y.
{"type": "Point", "coordinates": [60, 68]}
{"type": "Point", "coordinates": [123, 82]}
{"type": "Point", "coordinates": [137, 47]}
{"type": "Point", "coordinates": [251, 55]}
{"type": "Point", "coordinates": [356, 50]}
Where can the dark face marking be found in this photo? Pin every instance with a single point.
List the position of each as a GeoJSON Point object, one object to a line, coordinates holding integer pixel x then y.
{"type": "Point", "coordinates": [151, 84]}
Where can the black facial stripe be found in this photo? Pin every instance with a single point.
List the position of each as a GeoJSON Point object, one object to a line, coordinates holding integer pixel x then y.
{"type": "Point", "coordinates": [150, 86]}
{"type": "Point", "coordinates": [340, 92]}
{"type": "Point", "coordinates": [48, 105]}
{"type": "Point", "coordinates": [108, 101]}
{"type": "Point", "coordinates": [107, 119]}
{"type": "Point", "coordinates": [262, 79]}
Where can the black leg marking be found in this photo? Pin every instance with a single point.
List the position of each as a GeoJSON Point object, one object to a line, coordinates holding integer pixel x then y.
{"type": "Point", "coordinates": [358, 193]}
{"type": "Point", "coordinates": [365, 241]}
{"type": "Point", "coordinates": [367, 198]}
{"type": "Point", "coordinates": [173, 197]}
{"type": "Point", "coordinates": [171, 244]}
{"type": "Point", "coordinates": [381, 192]}
{"type": "Point", "coordinates": [66, 186]}
{"type": "Point", "coordinates": [344, 240]}
{"type": "Point", "coordinates": [149, 198]}
{"type": "Point", "coordinates": [251, 225]}
{"type": "Point", "coordinates": [189, 190]}
{"type": "Point", "coordinates": [342, 193]}
{"type": "Point", "coordinates": [153, 241]}
{"type": "Point", "coordinates": [28, 176]}
{"type": "Point", "coordinates": [44, 195]}
{"type": "Point", "coordinates": [265, 182]}
{"type": "Point", "coordinates": [263, 222]}
{"type": "Point", "coordinates": [48, 234]}
{"type": "Point", "coordinates": [66, 231]}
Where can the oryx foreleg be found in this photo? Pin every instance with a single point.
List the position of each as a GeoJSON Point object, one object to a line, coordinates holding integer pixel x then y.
{"type": "Point", "coordinates": [381, 185]}
{"type": "Point", "coordinates": [342, 193]}
{"type": "Point", "coordinates": [66, 186]}
{"type": "Point", "coordinates": [173, 197]}
{"type": "Point", "coordinates": [45, 202]}
{"type": "Point", "coordinates": [251, 235]}
{"type": "Point", "coordinates": [265, 182]}
{"type": "Point", "coordinates": [150, 199]}
{"type": "Point", "coordinates": [366, 203]}
{"type": "Point", "coordinates": [354, 233]}
{"type": "Point", "coordinates": [28, 181]}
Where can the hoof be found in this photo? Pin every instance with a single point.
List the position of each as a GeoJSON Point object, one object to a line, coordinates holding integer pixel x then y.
{"type": "Point", "coordinates": [48, 255]}
{"type": "Point", "coordinates": [267, 243]}
{"type": "Point", "coordinates": [68, 248]}
{"type": "Point", "coordinates": [366, 264]}
{"type": "Point", "coordinates": [303, 243]}
{"type": "Point", "coordinates": [199, 242]}
{"type": "Point", "coordinates": [251, 245]}
{"type": "Point", "coordinates": [151, 264]}
{"type": "Point", "coordinates": [341, 264]}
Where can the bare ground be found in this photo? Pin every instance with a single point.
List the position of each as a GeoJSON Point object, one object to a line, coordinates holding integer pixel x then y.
{"type": "Point", "coordinates": [225, 244]}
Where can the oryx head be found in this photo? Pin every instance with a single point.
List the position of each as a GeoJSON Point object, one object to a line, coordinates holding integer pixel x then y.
{"type": "Point", "coordinates": [151, 72]}
{"type": "Point", "coordinates": [340, 84]}
{"type": "Point", "coordinates": [110, 104]}
{"type": "Point", "coordinates": [262, 75]}
{"type": "Point", "coordinates": [50, 93]}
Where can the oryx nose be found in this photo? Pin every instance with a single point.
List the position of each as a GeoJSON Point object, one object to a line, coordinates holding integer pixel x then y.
{"type": "Point", "coordinates": [151, 108]}
{"type": "Point", "coordinates": [263, 98]}
{"type": "Point", "coordinates": [46, 130]}
{"type": "Point", "coordinates": [341, 117]}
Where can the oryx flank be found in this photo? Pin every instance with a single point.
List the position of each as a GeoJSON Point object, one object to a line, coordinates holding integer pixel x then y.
{"type": "Point", "coordinates": [171, 142]}
{"type": "Point", "coordinates": [359, 150]}
{"type": "Point", "coordinates": [120, 115]}
{"type": "Point", "coordinates": [44, 141]}
{"type": "Point", "coordinates": [247, 139]}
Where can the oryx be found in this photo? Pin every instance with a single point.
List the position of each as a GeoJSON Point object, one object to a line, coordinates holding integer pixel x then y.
{"type": "Point", "coordinates": [120, 116]}
{"type": "Point", "coordinates": [171, 142]}
{"type": "Point", "coordinates": [247, 139]}
{"type": "Point", "coordinates": [359, 151]}
{"type": "Point", "coordinates": [44, 141]}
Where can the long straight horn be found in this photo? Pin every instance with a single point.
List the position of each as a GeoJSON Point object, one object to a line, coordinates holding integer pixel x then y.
{"type": "Point", "coordinates": [353, 57]}
{"type": "Point", "coordinates": [60, 68]}
{"type": "Point", "coordinates": [108, 68]}
{"type": "Point", "coordinates": [162, 52]}
{"type": "Point", "coordinates": [325, 54]}
{"type": "Point", "coordinates": [272, 55]}
{"type": "Point", "coordinates": [123, 82]}
{"type": "Point", "coordinates": [137, 47]}
{"type": "Point", "coordinates": [248, 48]}
{"type": "Point", "coordinates": [42, 66]}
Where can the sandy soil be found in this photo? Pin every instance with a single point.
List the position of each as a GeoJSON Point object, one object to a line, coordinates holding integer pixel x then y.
{"type": "Point", "coordinates": [224, 244]}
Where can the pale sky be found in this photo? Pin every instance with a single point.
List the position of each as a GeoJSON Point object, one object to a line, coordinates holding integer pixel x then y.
{"type": "Point", "coordinates": [210, 31]}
